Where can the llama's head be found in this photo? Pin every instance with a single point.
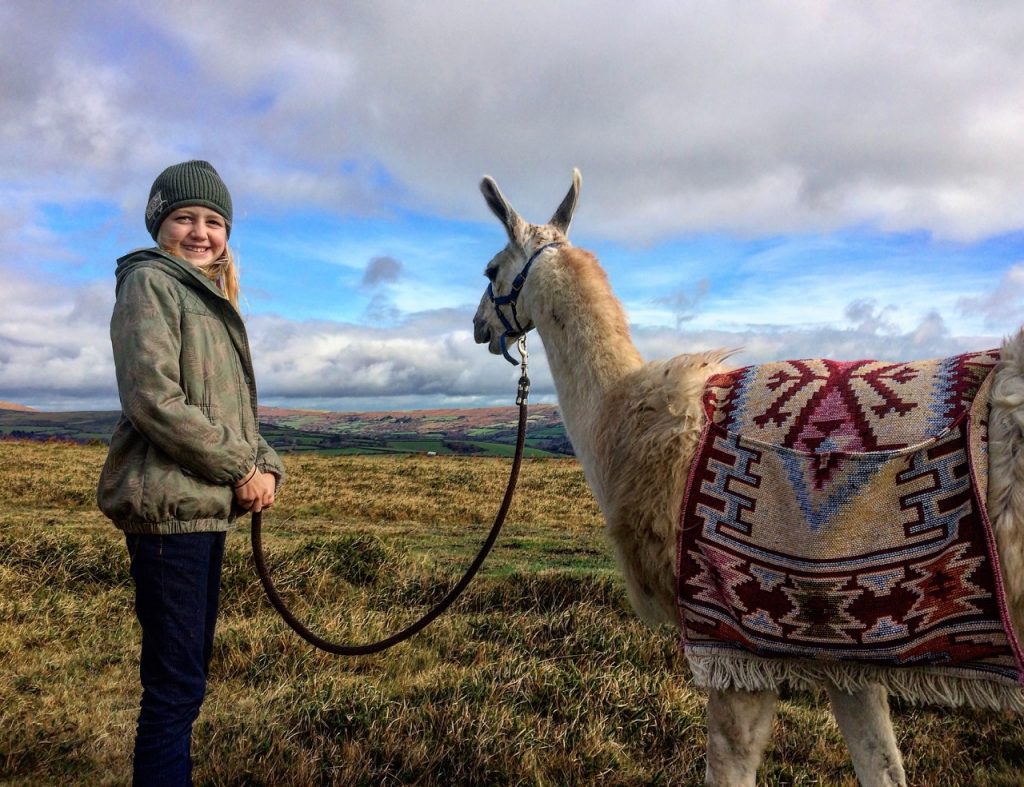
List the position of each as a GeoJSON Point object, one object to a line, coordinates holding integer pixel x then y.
{"type": "Point", "coordinates": [504, 313]}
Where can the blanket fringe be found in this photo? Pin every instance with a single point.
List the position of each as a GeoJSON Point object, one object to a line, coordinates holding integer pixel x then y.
{"type": "Point", "coordinates": [713, 669]}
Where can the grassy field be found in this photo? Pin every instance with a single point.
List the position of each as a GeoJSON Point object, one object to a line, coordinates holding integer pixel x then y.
{"type": "Point", "coordinates": [540, 676]}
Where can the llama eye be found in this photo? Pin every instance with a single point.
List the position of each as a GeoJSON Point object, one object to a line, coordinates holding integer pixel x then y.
{"type": "Point", "coordinates": [491, 273]}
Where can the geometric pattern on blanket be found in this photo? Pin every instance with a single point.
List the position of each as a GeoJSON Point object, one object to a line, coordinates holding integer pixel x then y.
{"type": "Point", "coordinates": [836, 511]}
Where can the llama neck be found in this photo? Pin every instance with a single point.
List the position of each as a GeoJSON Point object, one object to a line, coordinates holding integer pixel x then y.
{"type": "Point", "coordinates": [586, 339]}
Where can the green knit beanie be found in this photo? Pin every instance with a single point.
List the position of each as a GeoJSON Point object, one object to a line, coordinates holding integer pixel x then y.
{"type": "Point", "coordinates": [188, 183]}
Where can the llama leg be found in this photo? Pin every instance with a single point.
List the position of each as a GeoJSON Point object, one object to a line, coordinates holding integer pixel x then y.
{"type": "Point", "coordinates": [739, 726]}
{"type": "Point", "coordinates": [863, 717]}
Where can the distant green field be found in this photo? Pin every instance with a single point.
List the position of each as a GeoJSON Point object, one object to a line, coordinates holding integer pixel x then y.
{"type": "Point", "coordinates": [418, 446]}
{"type": "Point", "coordinates": [344, 438]}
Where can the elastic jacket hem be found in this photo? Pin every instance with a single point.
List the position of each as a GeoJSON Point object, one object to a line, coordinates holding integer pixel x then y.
{"type": "Point", "coordinates": [173, 526]}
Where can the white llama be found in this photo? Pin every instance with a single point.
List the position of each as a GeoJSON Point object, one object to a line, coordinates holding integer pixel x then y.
{"type": "Point", "coordinates": [636, 427]}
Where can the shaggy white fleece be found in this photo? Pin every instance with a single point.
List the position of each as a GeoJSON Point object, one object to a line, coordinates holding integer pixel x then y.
{"type": "Point", "coordinates": [1006, 473]}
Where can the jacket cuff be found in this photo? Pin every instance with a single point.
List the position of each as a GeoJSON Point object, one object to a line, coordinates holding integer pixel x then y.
{"type": "Point", "coordinates": [266, 467]}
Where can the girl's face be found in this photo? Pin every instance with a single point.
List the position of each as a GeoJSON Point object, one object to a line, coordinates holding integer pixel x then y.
{"type": "Point", "coordinates": [194, 233]}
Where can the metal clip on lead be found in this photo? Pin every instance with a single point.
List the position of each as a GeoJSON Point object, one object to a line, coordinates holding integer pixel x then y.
{"type": "Point", "coordinates": [524, 379]}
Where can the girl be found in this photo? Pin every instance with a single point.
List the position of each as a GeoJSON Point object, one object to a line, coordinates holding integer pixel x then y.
{"type": "Point", "coordinates": [186, 457]}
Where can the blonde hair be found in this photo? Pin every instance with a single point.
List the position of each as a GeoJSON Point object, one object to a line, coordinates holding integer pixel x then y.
{"type": "Point", "coordinates": [223, 272]}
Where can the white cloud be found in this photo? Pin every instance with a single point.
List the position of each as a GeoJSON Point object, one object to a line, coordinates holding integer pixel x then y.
{"type": "Point", "coordinates": [55, 353]}
{"type": "Point", "coordinates": [928, 339]}
{"type": "Point", "coordinates": [430, 354]}
{"type": "Point", "coordinates": [1003, 305]}
{"type": "Point", "coordinates": [54, 344]}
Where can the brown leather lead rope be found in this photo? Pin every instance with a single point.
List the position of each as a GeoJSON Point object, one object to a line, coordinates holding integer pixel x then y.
{"type": "Point", "coordinates": [414, 628]}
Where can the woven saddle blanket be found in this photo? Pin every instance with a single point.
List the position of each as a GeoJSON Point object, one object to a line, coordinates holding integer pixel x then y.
{"type": "Point", "coordinates": [836, 511]}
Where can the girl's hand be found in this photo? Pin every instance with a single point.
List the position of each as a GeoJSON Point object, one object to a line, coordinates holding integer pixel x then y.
{"type": "Point", "coordinates": [258, 492]}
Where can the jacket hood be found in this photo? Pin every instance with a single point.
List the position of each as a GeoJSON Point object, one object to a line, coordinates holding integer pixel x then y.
{"type": "Point", "coordinates": [173, 266]}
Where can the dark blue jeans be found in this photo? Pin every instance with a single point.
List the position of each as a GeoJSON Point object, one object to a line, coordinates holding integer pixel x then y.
{"type": "Point", "coordinates": [177, 586]}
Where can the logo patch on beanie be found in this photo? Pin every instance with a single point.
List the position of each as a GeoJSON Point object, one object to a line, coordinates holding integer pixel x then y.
{"type": "Point", "coordinates": [156, 204]}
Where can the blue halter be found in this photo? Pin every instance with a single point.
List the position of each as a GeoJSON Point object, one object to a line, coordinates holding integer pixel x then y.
{"type": "Point", "coordinates": [513, 329]}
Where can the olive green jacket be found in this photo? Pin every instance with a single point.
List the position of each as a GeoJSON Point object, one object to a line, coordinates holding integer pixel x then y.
{"type": "Point", "coordinates": [188, 430]}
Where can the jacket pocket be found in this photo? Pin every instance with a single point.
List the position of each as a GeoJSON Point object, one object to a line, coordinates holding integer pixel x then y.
{"type": "Point", "coordinates": [172, 492]}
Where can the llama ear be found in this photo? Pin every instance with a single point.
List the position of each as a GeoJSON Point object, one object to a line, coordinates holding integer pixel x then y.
{"type": "Point", "coordinates": [499, 206]}
{"type": "Point", "coordinates": [563, 216]}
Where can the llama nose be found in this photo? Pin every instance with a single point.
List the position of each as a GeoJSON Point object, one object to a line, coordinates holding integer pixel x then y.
{"type": "Point", "coordinates": [481, 331]}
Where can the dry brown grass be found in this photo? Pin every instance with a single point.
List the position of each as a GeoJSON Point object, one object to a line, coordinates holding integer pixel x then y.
{"type": "Point", "coordinates": [540, 676]}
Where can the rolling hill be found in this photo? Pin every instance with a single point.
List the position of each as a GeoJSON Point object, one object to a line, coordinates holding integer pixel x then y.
{"type": "Point", "coordinates": [489, 431]}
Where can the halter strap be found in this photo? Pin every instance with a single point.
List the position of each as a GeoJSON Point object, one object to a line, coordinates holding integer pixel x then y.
{"type": "Point", "coordinates": [513, 328]}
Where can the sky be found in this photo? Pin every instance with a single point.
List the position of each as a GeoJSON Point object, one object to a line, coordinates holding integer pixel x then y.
{"type": "Point", "coordinates": [793, 179]}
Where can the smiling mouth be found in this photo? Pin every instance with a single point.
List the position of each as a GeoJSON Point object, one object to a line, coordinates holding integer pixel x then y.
{"type": "Point", "coordinates": [196, 249]}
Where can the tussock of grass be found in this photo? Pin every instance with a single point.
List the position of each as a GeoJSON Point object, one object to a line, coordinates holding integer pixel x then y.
{"type": "Point", "coordinates": [546, 592]}
{"type": "Point", "coordinates": [357, 558]}
{"type": "Point", "coordinates": [538, 675]}
{"type": "Point", "coordinates": [76, 564]}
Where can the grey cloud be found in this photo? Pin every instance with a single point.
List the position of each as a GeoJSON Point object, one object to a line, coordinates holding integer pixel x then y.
{"type": "Point", "coordinates": [683, 301]}
{"type": "Point", "coordinates": [868, 317]}
{"type": "Point", "coordinates": [765, 119]}
{"type": "Point", "coordinates": [381, 270]}
{"type": "Point", "coordinates": [381, 310]}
